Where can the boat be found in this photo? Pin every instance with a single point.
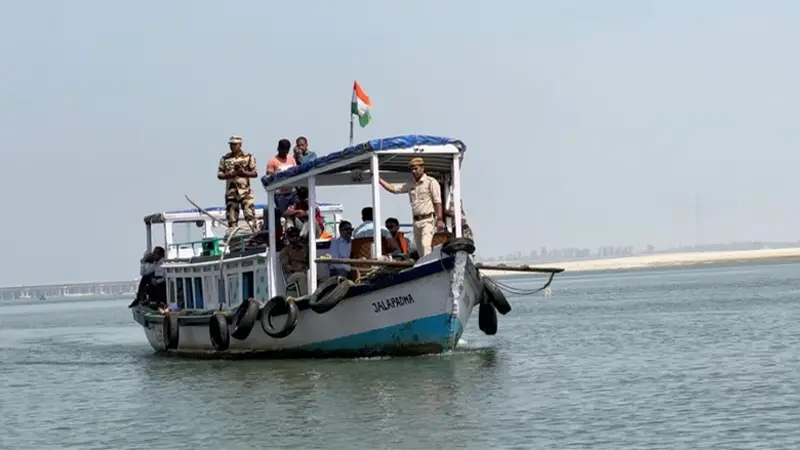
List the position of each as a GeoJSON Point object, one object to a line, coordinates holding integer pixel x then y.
{"type": "Point", "coordinates": [231, 297]}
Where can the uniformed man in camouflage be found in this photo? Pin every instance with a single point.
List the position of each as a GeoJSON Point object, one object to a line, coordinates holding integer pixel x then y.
{"type": "Point", "coordinates": [236, 168]}
{"type": "Point", "coordinates": [425, 195]}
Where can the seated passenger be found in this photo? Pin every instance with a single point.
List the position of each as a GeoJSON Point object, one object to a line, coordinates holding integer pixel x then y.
{"type": "Point", "coordinates": [277, 225]}
{"type": "Point", "coordinates": [367, 227]}
{"type": "Point", "coordinates": [340, 249]}
{"type": "Point", "coordinates": [297, 213]}
{"type": "Point", "coordinates": [367, 230]}
{"type": "Point", "coordinates": [301, 152]}
{"type": "Point", "coordinates": [393, 225]}
{"type": "Point", "coordinates": [294, 261]}
{"type": "Point", "coordinates": [263, 238]}
{"type": "Point", "coordinates": [152, 286]}
{"type": "Point", "coordinates": [166, 309]}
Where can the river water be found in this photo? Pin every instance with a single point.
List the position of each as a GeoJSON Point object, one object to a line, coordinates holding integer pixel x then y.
{"type": "Point", "coordinates": [702, 358]}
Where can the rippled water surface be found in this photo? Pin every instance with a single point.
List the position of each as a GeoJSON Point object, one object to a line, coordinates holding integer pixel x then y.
{"type": "Point", "coordinates": [661, 359]}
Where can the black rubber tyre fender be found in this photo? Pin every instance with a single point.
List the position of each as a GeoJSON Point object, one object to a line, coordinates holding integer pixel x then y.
{"type": "Point", "coordinates": [495, 296]}
{"type": "Point", "coordinates": [455, 245]}
{"type": "Point", "coordinates": [487, 318]}
{"type": "Point", "coordinates": [329, 294]}
{"type": "Point", "coordinates": [245, 319]}
{"type": "Point", "coordinates": [266, 314]}
{"type": "Point", "coordinates": [170, 331]}
{"type": "Point", "coordinates": [219, 332]}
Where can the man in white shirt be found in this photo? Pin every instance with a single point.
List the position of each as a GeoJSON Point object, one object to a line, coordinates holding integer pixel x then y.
{"type": "Point", "coordinates": [340, 249]}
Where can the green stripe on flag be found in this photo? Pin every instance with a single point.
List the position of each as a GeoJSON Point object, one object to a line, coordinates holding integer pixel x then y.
{"type": "Point", "coordinates": [363, 119]}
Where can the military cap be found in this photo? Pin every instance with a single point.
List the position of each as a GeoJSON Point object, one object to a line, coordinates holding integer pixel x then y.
{"type": "Point", "coordinates": [235, 140]}
{"type": "Point", "coordinates": [416, 162]}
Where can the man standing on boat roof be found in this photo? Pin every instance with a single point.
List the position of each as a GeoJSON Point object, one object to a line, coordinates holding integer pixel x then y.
{"type": "Point", "coordinates": [236, 168]}
{"type": "Point", "coordinates": [425, 195]}
{"type": "Point", "coordinates": [284, 197]}
{"type": "Point", "coordinates": [301, 152]}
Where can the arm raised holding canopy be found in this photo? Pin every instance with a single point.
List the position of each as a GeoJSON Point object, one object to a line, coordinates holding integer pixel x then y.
{"type": "Point", "coordinates": [404, 188]}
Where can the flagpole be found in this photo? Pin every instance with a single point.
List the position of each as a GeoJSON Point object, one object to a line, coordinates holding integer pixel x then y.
{"type": "Point", "coordinates": [351, 128]}
{"type": "Point", "coordinates": [352, 99]}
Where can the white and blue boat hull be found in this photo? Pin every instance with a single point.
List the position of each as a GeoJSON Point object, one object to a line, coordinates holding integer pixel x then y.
{"type": "Point", "coordinates": [419, 310]}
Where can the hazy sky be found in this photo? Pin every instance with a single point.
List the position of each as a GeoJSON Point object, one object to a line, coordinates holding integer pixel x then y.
{"type": "Point", "coordinates": [587, 123]}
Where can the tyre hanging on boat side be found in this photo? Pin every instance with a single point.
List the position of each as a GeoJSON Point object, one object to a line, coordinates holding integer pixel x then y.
{"type": "Point", "coordinates": [329, 294]}
{"type": "Point", "coordinates": [455, 245]}
{"type": "Point", "coordinates": [219, 332]}
{"type": "Point", "coordinates": [245, 319]}
{"type": "Point", "coordinates": [170, 331]}
{"type": "Point", "coordinates": [495, 296]}
{"type": "Point", "coordinates": [487, 317]}
{"type": "Point", "coordinates": [279, 305]}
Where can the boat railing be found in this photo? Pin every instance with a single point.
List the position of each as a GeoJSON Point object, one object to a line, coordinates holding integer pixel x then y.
{"type": "Point", "coordinates": [209, 246]}
{"type": "Point", "coordinates": [214, 246]}
{"type": "Point", "coordinates": [183, 250]}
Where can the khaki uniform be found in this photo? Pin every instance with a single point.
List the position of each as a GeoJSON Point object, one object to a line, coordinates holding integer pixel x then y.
{"type": "Point", "coordinates": [294, 262]}
{"type": "Point", "coordinates": [423, 194]}
{"type": "Point", "coordinates": [237, 190]}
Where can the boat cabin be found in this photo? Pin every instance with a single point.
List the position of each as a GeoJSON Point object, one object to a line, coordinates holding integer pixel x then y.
{"type": "Point", "coordinates": [364, 165]}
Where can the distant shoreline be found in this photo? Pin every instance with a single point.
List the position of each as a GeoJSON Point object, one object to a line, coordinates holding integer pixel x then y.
{"type": "Point", "coordinates": [665, 260]}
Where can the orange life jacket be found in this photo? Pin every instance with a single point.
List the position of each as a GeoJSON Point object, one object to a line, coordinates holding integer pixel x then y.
{"type": "Point", "coordinates": [402, 242]}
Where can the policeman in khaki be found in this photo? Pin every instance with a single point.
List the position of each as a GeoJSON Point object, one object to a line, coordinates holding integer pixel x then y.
{"type": "Point", "coordinates": [236, 168]}
{"type": "Point", "coordinates": [425, 195]}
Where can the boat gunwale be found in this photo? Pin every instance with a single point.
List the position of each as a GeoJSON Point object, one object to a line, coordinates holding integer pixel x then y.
{"type": "Point", "coordinates": [404, 276]}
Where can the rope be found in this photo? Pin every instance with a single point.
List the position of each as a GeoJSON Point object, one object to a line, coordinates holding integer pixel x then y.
{"type": "Point", "coordinates": [517, 291]}
{"type": "Point", "coordinates": [378, 272]}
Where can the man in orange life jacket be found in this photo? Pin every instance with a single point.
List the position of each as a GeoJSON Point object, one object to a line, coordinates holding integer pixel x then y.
{"type": "Point", "coordinates": [393, 225]}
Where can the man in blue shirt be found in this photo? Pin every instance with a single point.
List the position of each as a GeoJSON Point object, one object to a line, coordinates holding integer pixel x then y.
{"type": "Point", "coordinates": [340, 249]}
{"type": "Point", "coordinates": [301, 152]}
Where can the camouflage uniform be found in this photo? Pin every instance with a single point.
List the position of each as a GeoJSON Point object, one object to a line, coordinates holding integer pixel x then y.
{"type": "Point", "coordinates": [237, 190]}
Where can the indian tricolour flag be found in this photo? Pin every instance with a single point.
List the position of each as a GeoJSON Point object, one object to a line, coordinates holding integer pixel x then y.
{"type": "Point", "coordinates": [360, 105]}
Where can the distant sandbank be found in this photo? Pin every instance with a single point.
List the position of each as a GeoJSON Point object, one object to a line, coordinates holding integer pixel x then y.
{"type": "Point", "coordinates": [665, 260]}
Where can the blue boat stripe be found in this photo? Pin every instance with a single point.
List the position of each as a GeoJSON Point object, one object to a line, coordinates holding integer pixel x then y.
{"type": "Point", "coordinates": [435, 330]}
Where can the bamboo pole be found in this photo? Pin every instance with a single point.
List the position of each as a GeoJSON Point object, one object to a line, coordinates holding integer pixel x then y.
{"type": "Point", "coordinates": [364, 262]}
{"type": "Point", "coordinates": [523, 268]}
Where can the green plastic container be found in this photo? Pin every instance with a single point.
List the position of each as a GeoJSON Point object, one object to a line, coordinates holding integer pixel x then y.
{"type": "Point", "coordinates": [211, 246]}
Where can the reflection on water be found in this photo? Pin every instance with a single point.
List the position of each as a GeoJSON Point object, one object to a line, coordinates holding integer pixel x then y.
{"type": "Point", "coordinates": [692, 358]}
